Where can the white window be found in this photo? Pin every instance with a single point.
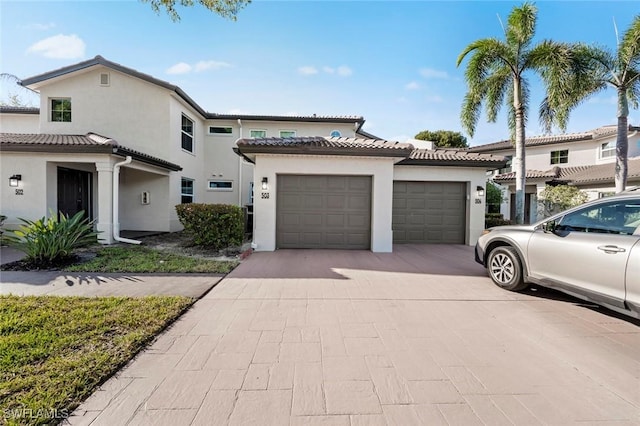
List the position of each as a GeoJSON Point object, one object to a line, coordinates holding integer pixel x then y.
{"type": "Point", "coordinates": [186, 190]}
{"type": "Point", "coordinates": [187, 133]}
{"type": "Point", "coordinates": [287, 133]}
{"type": "Point", "coordinates": [61, 109]}
{"type": "Point", "coordinates": [335, 134]}
{"type": "Point", "coordinates": [608, 150]}
{"type": "Point", "coordinates": [220, 185]}
{"type": "Point", "coordinates": [104, 79]}
{"type": "Point", "coordinates": [215, 130]}
{"type": "Point", "coordinates": [258, 133]}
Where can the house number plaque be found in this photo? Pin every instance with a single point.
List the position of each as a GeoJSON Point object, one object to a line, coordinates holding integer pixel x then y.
{"type": "Point", "coordinates": [265, 195]}
{"type": "Point", "coordinates": [20, 191]}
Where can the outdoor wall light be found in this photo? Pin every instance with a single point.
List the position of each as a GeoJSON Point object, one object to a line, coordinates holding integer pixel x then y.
{"type": "Point", "coordinates": [14, 180]}
{"type": "Point", "coordinates": [480, 191]}
{"type": "Point", "coordinates": [265, 184]}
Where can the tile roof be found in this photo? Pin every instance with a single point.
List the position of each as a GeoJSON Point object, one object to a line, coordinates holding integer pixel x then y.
{"type": "Point", "coordinates": [325, 145]}
{"type": "Point", "coordinates": [6, 109]}
{"type": "Point", "coordinates": [89, 143]}
{"type": "Point", "coordinates": [440, 156]}
{"type": "Point", "coordinates": [320, 145]}
{"type": "Point", "coordinates": [580, 175]}
{"type": "Point", "coordinates": [600, 132]}
{"type": "Point", "coordinates": [99, 60]}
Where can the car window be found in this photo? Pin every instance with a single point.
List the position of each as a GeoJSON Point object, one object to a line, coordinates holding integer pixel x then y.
{"type": "Point", "coordinates": [617, 217]}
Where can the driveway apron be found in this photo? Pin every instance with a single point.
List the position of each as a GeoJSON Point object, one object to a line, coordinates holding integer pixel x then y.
{"type": "Point", "coordinates": [418, 336]}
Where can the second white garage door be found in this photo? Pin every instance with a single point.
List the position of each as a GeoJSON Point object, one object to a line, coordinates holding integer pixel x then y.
{"type": "Point", "coordinates": [317, 211]}
{"type": "Point", "coordinates": [429, 212]}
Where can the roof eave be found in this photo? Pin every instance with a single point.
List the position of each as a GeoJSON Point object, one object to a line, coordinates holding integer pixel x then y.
{"type": "Point", "coordinates": [305, 150]}
{"type": "Point", "coordinates": [489, 165]}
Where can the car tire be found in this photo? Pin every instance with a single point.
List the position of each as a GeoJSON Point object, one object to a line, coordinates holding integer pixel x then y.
{"type": "Point", "coordinates": [505, 268]}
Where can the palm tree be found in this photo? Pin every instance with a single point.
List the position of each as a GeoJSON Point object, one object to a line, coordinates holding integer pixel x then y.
{"type": "Point", "coordinates": [596, 69]}
{"type": "Point", "coordinates": [495, 71]}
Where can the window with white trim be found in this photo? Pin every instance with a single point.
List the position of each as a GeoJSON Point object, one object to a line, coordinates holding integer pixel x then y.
{"type": "Point", "coordinates": [186, 190]}
{"type": "Point", "coordinates": [220, 185]}
{"type": "Point", "coordinates": [287, 133]}
{"type": "Point", "coordinates": [187, 133]}
{"type": "Point", "coordinates": [61, 109]}
{"type": "Point", "coordinates": [254, 133]}
{"type": "Point", "coordinates": [217, 130]}
{"type": "Point", "coordinates": [608, 149]}
{"type": "Point", "coordinates": [560, 157]}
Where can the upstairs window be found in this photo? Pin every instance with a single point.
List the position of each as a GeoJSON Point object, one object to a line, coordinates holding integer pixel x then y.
{"type": "Point", "coordinates": [608, 150]}
{"type": "Point", "coordinates": [187, 134]}
{"type": "Point", "coordinates": [61, 110]}
{"type": "Point", "coordinates": [287, 133]}
{"type": "Point", "coordinates": [258, 133]}
{"type": "Point", "coordinates": [508, 168]}
{"type": "Point", "coordinates": [215, 130]}
{"type": "Point", "coordinates": [186, 190]}
{"type": "Point", "coordinates": [560, 157]}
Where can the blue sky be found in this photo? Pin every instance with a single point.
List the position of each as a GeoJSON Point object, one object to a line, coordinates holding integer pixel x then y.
{"type": "Point", "coordinates": [392, 62]}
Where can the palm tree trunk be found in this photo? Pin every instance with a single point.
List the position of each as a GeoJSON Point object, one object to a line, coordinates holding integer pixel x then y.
{"type": "Point", "coordinates": [519, 160]}
{"type": "Point", "coordinates": [622, 142]}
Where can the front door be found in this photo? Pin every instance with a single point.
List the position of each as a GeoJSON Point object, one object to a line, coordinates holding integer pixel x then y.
{"type": "Point", "coordinates": [74, 192]}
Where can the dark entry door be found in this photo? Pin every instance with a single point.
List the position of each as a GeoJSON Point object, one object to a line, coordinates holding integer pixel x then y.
{"type": "Point", "coordinates": [74, 191]}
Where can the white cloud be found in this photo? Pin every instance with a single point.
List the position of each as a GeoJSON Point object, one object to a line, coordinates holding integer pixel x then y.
{"type": "Point", "coordinates": [210, 65]}
{"type": "Point", "coordinates": [179, 68]}
{"type": "Point", "coordinates": [344, 71]}
{"type": "Point", "coordinates": [412, 86]}
{"type": "Point", "coordinates": [434, 99]}
{"type": "Point", "coordinates": [36, 26]}
{"type": "Point", "coordinates": [307, 70]}
{"type": "Point", "coordinates": [431, 73]}
{"type": "Point", "coordinates": [59, 47]}
{"type": "Point", "coordinates": [328, 70]}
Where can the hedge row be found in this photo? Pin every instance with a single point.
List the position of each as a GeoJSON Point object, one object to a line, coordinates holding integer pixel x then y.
{"type": "Point", "coordinates": [213, 225]}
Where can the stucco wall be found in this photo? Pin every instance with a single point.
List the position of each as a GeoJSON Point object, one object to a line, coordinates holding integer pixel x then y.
{"type": "Point", "coordinates": [269, 166]}
{"type": "Point", "coordinates": [129, 110]}
{"type": "Point", "coordinates": [474, 177]}
{"type": "Point", "coordinates": [137, 216]}
{"type": "Point", "coordinates": [19, 123]}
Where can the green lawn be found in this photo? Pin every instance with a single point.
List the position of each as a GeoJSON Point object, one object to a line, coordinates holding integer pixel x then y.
{"type": "Point", "coordinates": [54, 351]}
{"type": "Point", "coordinates": [136, 259]}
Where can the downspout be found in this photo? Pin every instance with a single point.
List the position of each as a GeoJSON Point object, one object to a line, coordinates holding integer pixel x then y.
{"type": "Point", "coordinates": [115, 202]}
{"type": "Point", "coordinates": [240, 169]}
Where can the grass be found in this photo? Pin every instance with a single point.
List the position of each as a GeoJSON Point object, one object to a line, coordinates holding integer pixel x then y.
{"type": "Point", "coordinates": [54, 351]}
{"type": "Point", "coordinates": [144, 260]}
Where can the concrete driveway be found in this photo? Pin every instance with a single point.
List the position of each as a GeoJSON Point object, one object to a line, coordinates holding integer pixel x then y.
{"type": "Point", "coordinates": [420, 336]}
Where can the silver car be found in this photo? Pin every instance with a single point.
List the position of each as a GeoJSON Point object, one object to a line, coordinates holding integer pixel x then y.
{"type": "Point", "coordinates": [591, 252]}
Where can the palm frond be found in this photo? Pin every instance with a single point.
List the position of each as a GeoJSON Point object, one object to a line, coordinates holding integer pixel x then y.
{"type": "Point", "coordinates": [521, 25]}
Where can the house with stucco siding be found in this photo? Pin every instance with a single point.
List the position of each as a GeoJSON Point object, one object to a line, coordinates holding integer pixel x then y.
{"type": "Point", "coordinates": [125, 148]}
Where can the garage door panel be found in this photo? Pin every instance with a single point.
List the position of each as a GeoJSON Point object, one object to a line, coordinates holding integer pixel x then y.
{"type": "Point", "coordinates": [331, 212]}
{"type": "Point", "coordinates": [429, 212]}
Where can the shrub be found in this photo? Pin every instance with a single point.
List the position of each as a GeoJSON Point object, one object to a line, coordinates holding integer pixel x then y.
{"type": "Point", "coordinates": [554, 199]}
{"type": "Point", "coordinates": [212, 225]}
{"type": "Point", "coordinates": [494, 219]}
{"type": "Point", "coordinates": [51, 241]}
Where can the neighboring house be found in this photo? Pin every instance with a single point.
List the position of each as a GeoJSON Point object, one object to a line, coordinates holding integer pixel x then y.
{"type": "Point", "coordinates": [126, 147]}
{"type": "Point", "coordinates": [585, 159]}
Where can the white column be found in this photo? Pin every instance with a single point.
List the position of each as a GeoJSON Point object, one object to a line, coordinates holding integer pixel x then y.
{"type": "Point", "coordinates": [105, 200]}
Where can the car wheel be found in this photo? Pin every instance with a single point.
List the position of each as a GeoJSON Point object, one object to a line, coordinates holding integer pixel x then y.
{"type": "Point", "coordinates": [505, 268]}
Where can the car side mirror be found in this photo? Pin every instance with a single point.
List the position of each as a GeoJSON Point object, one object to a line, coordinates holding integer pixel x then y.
{"type": "Point", "coordinates": [549, 226]}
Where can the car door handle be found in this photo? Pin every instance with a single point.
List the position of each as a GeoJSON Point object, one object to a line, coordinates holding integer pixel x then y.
{"type": "Point", "coordinates": [611, 249]}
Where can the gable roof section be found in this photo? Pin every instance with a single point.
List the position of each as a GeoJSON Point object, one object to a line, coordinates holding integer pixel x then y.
{"type": "Point", "coordinates": [594, 134]}
{"type": "Point", "coordinates": [453, 157]}
{"type": "Point", "coordinates": [99, 60]}
{"type": "Point", "coordinates": [321, 145]}
{"type": "Point", "coordinates": [90, 143]}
